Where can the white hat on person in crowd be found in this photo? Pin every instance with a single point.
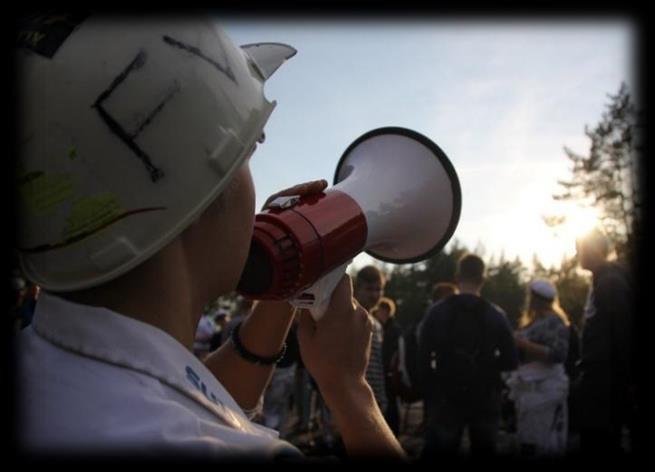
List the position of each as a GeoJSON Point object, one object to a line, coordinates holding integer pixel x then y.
{"type": "Point", "coordinates": [544, 289]}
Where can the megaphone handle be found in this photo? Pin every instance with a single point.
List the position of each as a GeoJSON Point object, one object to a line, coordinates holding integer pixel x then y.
{"type": "Point", "coordinates": [317, 297]}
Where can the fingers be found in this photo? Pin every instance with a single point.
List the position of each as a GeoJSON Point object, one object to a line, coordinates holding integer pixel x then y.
{"type": "Point", "coordinates": [344, 310]}
{"type": "Point", "coordinates": [306, 188]}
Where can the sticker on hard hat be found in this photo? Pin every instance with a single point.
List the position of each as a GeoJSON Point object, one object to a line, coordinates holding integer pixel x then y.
{"type": "Point", "coordinates": [41, 192]}
{"type": "Point", "coordinates": [44, 34]}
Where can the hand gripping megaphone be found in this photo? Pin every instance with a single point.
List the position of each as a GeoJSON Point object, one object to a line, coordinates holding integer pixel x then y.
{"type": "Point", "coordinates": [395, 195]}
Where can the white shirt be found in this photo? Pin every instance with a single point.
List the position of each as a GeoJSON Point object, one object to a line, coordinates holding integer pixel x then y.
{"type": "Point", "coordinates": [206, 328]}
{"type": "Point", "coordinates": [92, 380]}
{"type": "Point", "coordinates": [204, 332]}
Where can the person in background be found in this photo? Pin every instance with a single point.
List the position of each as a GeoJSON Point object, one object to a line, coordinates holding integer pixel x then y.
{"type": "Point", "coordinates": [442, 290]}
{"type": "Point", "coordinates": [605, 385]}
{"type": "Point", "coordinates": [369, 288]}
{"type": "Point", "coordinates": [405, 377]}
{"type": "Point", "coordinates": [221, 319]}
{"type": "Point", "coordinates": [209, 332]}
{"type": "Point", "coordinates": [465, 343]}
{"type": "Point", "coordinates": [244, 307]}
{"type": "Point", "coordinates": [204, 332]}
{"type": "Point", "coordinates": [539, 387]}
{"type": "Point", "coordinates": [279, 393]}
{"type": "Point", "coordinates": [385, 313]}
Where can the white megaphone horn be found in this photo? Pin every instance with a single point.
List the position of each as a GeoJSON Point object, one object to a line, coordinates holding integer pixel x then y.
{"type": "Point", "coordinates": [395, 195]}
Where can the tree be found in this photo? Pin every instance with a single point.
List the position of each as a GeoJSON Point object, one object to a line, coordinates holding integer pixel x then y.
{"type": "Point", "coordinates": [505, 286]}
{"type": "Point", "coordinates": [607, 178]}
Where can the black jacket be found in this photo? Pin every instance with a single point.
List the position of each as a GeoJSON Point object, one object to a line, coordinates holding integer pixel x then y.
{"type": "Point", "coordinates": [607, 333]}
{"type": "Point", "coordinates": [437, 335]}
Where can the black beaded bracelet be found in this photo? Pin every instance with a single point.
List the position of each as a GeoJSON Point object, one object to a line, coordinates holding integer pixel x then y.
{"type": "Point", "coordinates": [249, 356]}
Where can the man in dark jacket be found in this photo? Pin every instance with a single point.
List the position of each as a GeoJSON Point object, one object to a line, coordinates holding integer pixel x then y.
{"type": "Point", "coordinates": [464, 344]}
{"type": "Point", "coordinates": [604, 384]}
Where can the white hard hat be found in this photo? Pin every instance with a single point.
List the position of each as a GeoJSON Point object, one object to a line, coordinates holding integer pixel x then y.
{"type": "Point", "coordinates": [128, 131]}
{"type": "Point", "coordinates": [544, 289]}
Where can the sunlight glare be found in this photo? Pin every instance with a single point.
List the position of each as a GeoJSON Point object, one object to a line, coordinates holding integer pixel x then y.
{"type": "Point", "coordinates": [579, 220]}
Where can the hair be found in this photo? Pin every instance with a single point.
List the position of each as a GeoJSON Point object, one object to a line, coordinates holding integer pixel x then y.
{"type": "Point", "coordinates": [470, 268]}
{"type": "Point", "coordinates": [537, 304]}
{"type": "Point", "coordinates": [388, 304]}
{"type": "Point", "coordinates": [369, 275]}
{"type": "Point", "coordinates": [597, 240]}
{"type": "Point", "coordinates": [442, 290]}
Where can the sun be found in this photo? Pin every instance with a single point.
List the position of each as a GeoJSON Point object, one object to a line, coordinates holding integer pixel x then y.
{"type": "Point", "coordinates": [557, 240]}
{"type": "Point", "coordinates": [578, 220]}
{"type": "Point", "coordinates": [575, 220]}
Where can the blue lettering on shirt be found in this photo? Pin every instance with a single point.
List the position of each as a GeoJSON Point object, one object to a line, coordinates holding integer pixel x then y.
{"type": "Point", "coordinates": [194, 378]}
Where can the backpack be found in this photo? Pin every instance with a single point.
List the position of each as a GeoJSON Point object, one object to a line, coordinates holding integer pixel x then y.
{"type": "Point", "coordinates": [404, 366]}
{"type": "Point", "coordinates": [464, 364]}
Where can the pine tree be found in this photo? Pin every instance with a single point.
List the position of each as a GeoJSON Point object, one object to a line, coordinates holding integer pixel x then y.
{"type": "Point", "coordinates": [607, 178]}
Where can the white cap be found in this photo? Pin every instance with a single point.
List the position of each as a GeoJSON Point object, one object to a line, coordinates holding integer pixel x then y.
{"type": "Point", "coordinates": [544, 289]}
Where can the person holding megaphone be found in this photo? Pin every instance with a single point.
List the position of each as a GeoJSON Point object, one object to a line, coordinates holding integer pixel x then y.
{"type": "Point", "coordinates": [137, 208]}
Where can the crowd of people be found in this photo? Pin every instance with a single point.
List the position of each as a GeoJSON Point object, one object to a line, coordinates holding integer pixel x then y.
{"type": "Point", "coordinates": [462, 365]}
{"type": "Point", "coordinates": [470, 372]}
{"type": "Point", "coordinates": [137, 209]}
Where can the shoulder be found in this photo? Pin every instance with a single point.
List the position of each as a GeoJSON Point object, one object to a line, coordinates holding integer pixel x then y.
{"type": "Point", "coordinates": [611, 274]}
{"type": "Point", "coordinates": [496, 310]}
{"type": "Point", "coordinates": [444, 305]}
{"type": "Point", "coordinates": [551, 319]}
{"type": "Point", "coordinates": [497, 316]}
{"type": "Point", "coordinates": [438, 310]}
{"type": "Point", "coordinates": [493, 311]}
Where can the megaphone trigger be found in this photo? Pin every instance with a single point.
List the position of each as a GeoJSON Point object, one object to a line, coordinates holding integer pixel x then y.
{"type": "Point", "coordinates": [317, 297]}
{"type": "Point", "coordinates": [285, 202]}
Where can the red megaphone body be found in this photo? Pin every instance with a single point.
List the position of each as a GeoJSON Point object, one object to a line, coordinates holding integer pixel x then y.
{"type": "Point", "coordinates": [297, 240]}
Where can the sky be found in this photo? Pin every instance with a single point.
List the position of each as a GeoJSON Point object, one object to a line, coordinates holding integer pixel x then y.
{"type": "Point", "coordinates": [501, 98]}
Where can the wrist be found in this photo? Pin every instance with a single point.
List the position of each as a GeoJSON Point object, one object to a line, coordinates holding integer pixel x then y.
{"type": "Point", "coordinates": [339, 394]}
{"type": "Point", "coordinates": [250, 356]}
{"type": "Point", "coordinates": [274, 310]}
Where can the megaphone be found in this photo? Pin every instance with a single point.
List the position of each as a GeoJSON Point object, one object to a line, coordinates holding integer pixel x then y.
{"type": "Point", "coordinates": [396, 196]}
